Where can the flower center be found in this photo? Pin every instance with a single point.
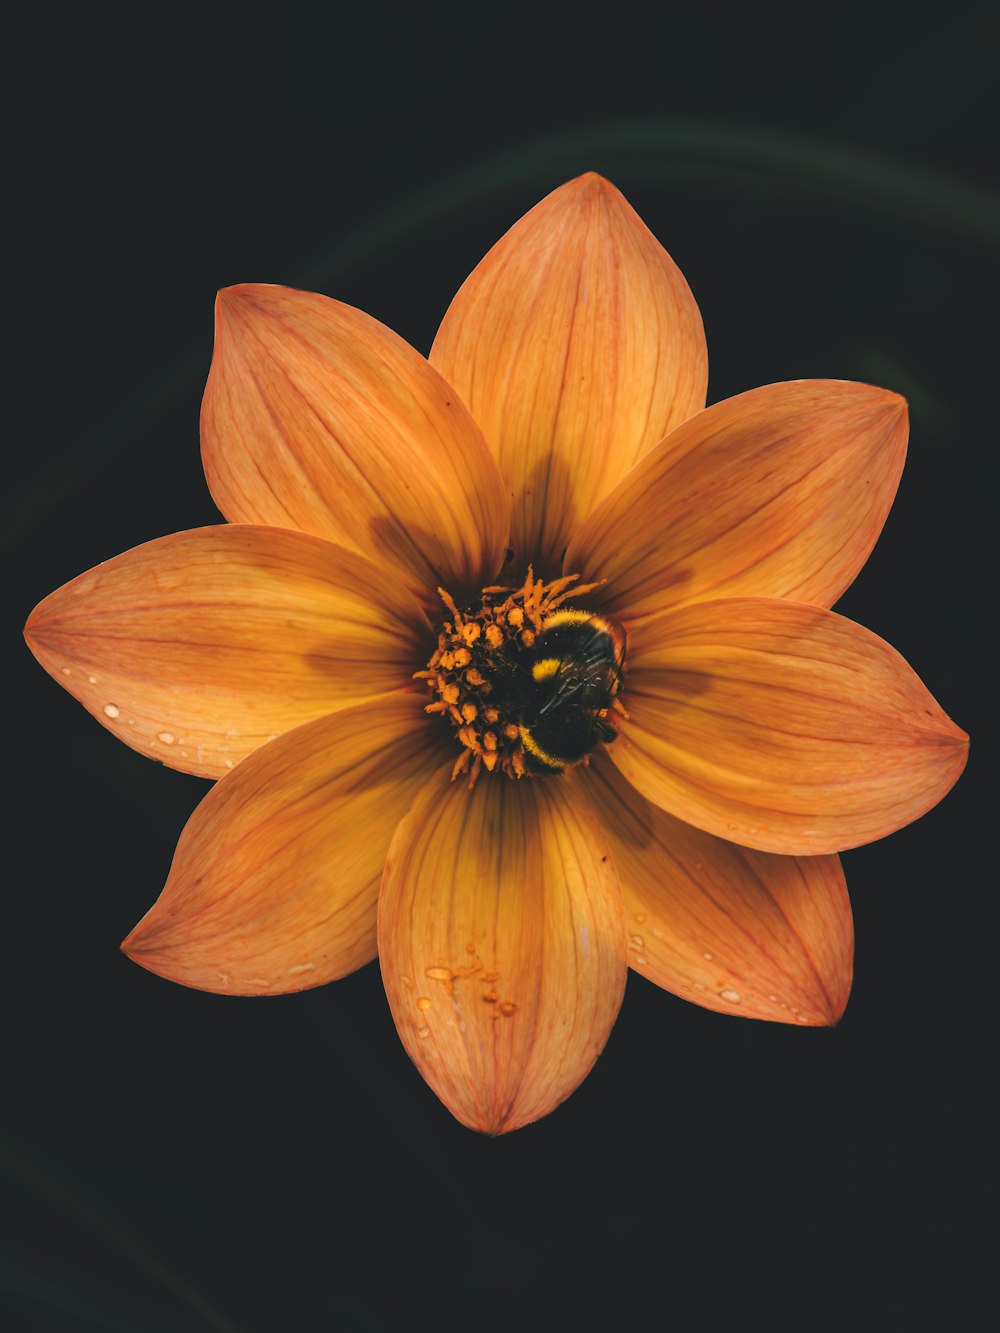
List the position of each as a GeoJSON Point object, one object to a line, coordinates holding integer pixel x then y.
{"type": "Point", "coordinates": [528, 683]}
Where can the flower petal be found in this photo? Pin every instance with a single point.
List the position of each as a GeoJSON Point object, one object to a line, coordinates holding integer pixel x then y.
{"type": "Point", "coordinates": [726, 927]}
{"type": "Point", "coordinates": [778, 492]}
{"type": "Point", "coordinates": [318, 417]}
{"type": "Point", "coordinates": [501, 940]}
{"type": "Point", "coordinates": [781, 726]}
{"type": "Point", "coordinates": [196, 648]}
{"type": "Point", "coordinates": [275, 880]}
{"type": "Point", "coordinates": [577, 345]}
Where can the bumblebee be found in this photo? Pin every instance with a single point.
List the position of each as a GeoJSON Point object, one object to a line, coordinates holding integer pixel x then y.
{"type": "Point", "coordinates": [565, 684]}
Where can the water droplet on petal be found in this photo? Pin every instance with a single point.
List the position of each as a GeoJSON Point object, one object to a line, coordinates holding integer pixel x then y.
{"type": "Point", "coordinates": [733, 996]}
{"type": "Point", "coordinates": [439, 973]}
{"type": "Point", "coordinates": [708, 955]}
{"type": "Point", "coordinates": [92, 680]}
{"type": "Point", "coordinates": [640, 958]}
{"type": "Point", "coordinates": [640, 917]}
{"type": "Point", "coordinates": [424, 1002]}
{"type": "Point", "coordinates": [773, 999]}
{"type": "Point", "coordinates": [229, 763]}
{"type": "Point", "coordinates": [112, 710]}
{"type": "Point", "coordinates": [423, 1032]}
{"type": "Point", "coordinates": [167, 737]}
{"type": "Point", "coordinates": [636, 941]}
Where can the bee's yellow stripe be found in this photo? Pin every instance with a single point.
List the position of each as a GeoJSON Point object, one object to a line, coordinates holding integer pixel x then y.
{"type": "Point", "coordinates": [567, 617]}
{"type": "Point", "coordinates": [533, 748]}
{"type": "Point", "coordinates": [545, 667]}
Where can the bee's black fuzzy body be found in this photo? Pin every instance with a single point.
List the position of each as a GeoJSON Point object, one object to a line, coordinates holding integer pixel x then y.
{"type": "Point", "coordinates": [560, 689]}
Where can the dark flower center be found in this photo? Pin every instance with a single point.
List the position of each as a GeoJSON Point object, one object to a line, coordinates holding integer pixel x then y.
{"type": "Point", "coordinates": [529, 684]}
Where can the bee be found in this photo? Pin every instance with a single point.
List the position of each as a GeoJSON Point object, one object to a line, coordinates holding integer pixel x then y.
{"type": "Point", "coordinates": [566, 682]}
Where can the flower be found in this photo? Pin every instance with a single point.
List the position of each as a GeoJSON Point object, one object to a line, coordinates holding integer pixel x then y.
{"type": "Point", "coordinates": [416, 556]}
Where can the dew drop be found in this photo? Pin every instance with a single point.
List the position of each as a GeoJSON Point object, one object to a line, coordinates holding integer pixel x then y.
{"type": "Point", "coordinates": [439, 973]}
{"type": "Point", "coordinates": [640, 958]}
{"type": "Point", "coordinates": [67, 671]}
{"type": "Point", "coordinates": [636, 941]}
{"type": "Point", "coordinates": [423, 1032]}
{"type": "Point", "coordinates": [229, 763]}
{"type": "Point", "coordinates": [640, 917]}
{"type": "Point", "coordinates": [424, 1002]}
{"type": "Point", "coordinates": [773, 999]}
{"type": "Point", "coordinates": [167, 737]}
{"type": "Point", "coordinates": [507, 1007]}
{"type": "Point", "coordinates": [112, 710]}
{"type": "Point", "coordinates": [92, 680]}
{"type": "Point", "coordinates": [708, 955]}
{"type": "Point", "coordinates": [733, 996]}
{"type": "Point", "coordinates": [301, 967]}
{"type": "Point", "coordinates": [407, 982]}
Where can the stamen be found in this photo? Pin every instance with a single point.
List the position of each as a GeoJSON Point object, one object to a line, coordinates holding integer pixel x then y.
{"type": "Point", "coordinates": [484, 678]}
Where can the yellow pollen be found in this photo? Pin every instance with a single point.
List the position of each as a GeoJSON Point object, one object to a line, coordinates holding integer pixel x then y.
{"type": "Point", "coordinates": [469, 711]}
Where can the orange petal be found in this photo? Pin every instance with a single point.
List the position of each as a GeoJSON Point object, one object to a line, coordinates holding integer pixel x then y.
{"type": "Point", "coordinates": [319, 418]}
{"type": "Point", "coordinates": [501, 940]}
{"type": "Point", "coordinates": [197, 648]}
{"type": "Point", "coordinates": [778, 492]}
{"type": "Point", "coordinates": [275, 880]}
{"type": "Point", "coordinates": [781, 726]}
{"type": "Point", "coordinates": [577, 345]}
{"type": "Point", "coordinates": [732, 929]}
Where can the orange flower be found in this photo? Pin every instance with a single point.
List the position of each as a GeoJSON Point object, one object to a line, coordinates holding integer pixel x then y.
{"type": "Point", "coordinates": [484, 567]}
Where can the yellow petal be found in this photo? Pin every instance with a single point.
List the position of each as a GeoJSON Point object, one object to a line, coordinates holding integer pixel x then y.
{"type": "Point", "coordinates": [780, 492]}
{"type": "Point", "coordinates": [781, 726]}
{"type": "Point", "coordinates": [577, 345]}
{"type": "Point", "coordinates": [726, 927]}
{"type": "Point", "coordinates": [319, 418]}
{"type": "Point", "coordinates": [275, 881]}
{"type": "Point", "coordinates": [196, 648]}
{"type": "Point", "coordinates": [501, 941]}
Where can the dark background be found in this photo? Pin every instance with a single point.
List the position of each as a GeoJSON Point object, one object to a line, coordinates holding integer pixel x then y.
{"type": "Point", "coordinates": [171, 1160]}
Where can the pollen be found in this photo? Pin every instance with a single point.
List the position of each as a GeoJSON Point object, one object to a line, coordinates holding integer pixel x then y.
{"type": "Point", "coordinates": [481, 679]}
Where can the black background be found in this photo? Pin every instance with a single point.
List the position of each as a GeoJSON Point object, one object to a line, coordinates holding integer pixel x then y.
{"type": "Point", "coordinates": [172, 1160]}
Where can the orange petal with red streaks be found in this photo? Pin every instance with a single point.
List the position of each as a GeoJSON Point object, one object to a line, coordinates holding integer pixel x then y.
{"type": "Point", "coordinates": [318, 417]}
{"type": "Point", "coordinates": [781, 726]}
{"type": "Point", "coordinates": [501, 941]}
{"type": "Point", "coordinates": [275, 881]}
{"type": "Point", "coordinates": [779, 492]}
{"type": "Point", "coordinates": [729, 928]}
{"type": "Point", "coordinates": [197, 648]}
{"type": "Point", "coordinates": [577, 345]}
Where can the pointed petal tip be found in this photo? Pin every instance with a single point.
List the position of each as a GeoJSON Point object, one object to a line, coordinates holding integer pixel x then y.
{"type": "Point", "coordinates": [239, 299]}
